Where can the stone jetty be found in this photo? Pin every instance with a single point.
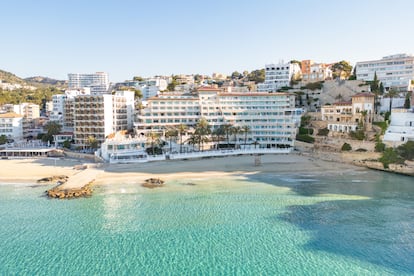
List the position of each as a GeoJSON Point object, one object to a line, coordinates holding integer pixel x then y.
{"type": "Point", "coordinates": [78, 185]}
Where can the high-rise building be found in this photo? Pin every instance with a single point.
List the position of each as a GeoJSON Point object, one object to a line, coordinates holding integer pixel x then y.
{"type": "Point", "coordinates": [393, 71]}
{"type": "Point", "coordinates": [278, 76]}
{"type": "Point", "coordinates": [100, 115]}
{"type": "Point", "coordinates": [97, 82]}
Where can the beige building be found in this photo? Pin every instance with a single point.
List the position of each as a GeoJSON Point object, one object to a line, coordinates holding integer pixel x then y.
{"type": "Point", "coordinates": [313, 72]}
{"type": "Point", "coordinates": [350, 116]}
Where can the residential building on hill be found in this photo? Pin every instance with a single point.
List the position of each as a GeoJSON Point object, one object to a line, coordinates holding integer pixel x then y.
{"type": "Point", "coordinates": [313, 72]}
{"type": "Point", "coordinates": [271, 117]}
{"type": "Point", "coordinates": [31, 114]}
{"type": "Point", "coordinates": [97, 82]}
{"type": "Point", "coordinates": [350, 116]}
{"type": "Point", "coordinates": [401, 128]}
{"type": "Point", "coordinates": [393, 71]}
{"type": "Point", "coordinates": [278, 76]}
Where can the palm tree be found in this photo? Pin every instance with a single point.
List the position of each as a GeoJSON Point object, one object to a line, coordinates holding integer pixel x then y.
{"type": "Point", "coordinates": [391, 94]}
{"type": "Point", "coordinates": [235, 130]}
{"type": "Point", "coordinates": [182, 129]}
{"type": "Point", "coordinates": [245, 130]}
{"type": "Point", "coordinates": [171, 133]}
{"type": "Point", "coordinates": [219, 132]}
{"type": "Point", "coordinates": [194, 139]}
{"type": "Point", "coordinates": [153, 138]}
{"type": "Point", "coordinates": [227, 131]}
{"type": "Point", "coordinates": [92, 142]}
{"type": "Point", "coordinates": [202, 131]}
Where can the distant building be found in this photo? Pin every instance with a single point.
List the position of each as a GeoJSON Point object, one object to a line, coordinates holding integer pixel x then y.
{"type": "Point", "coordinates": [349, 116]}
{"type": "Point", "coordinates": [97, 82]}
{"type": "Point", "coordinates": [11, 125]}
{"type": "Point", "coordinates": [278, 76]}
{"type": "Point", "coordinates": [401, 128]}
{"type": "Point", "coordinates": [393, 71]}
{"type": "Point", "coordinates": [219, 76]}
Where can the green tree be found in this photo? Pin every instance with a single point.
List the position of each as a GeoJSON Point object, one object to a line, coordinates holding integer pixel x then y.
{"type": "Point", "coordinates": [390, 156]}
{"type": "Point", "coordinates": [3, 139]}
{"type": "Point", "coordinates": [407, 102]}
{"type": "Point", "coordinates": [353, 76]}
{"type": "Point", "coordinates": [258, 76]}
{"type": "Point", "coordinates": [138, 78]}
{"type": "Point", "coordinates": [392, 93]}
{"type": "Point", "coordinates": [406, 150]}
{"type": "Point", "coordinates": [341, 69]}
{"type": "Point", "coordinates": [67, 144]}
{"type": "Point", "coordinates": [51, 128]}
{"type": "Point", "coordinates": [236, 75]}
{"type": "Point", "coordinates": [235, 130]}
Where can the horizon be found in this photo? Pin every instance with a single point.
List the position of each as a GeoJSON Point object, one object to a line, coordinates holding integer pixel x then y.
{"type": "Point", "coordinates": [52, 39]}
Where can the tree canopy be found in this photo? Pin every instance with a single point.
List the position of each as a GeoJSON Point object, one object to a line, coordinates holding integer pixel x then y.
{"type": "Point", "coordinates": [341, 69]}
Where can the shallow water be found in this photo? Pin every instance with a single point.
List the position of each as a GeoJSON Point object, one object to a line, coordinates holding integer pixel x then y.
{"type": "Point", "coordinates": [350, 223]}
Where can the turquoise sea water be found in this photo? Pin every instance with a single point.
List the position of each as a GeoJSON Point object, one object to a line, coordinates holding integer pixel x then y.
{"type": "Point", "coordinates": [355, 223]}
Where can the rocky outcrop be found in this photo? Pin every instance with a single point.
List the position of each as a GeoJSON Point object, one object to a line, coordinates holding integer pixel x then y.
{"type": "Point", "coordinates": [153, 183]}
{"type": "Point", "coordinates": [58, 192]}
{"type": "Point", "coordinates": [55, 178]}
{"type": "Point", "coordinates": [407, 168]}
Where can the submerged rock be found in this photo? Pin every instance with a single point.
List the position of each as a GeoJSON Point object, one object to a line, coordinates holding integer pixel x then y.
{"type": "Point", "coordinates": [153, 183]}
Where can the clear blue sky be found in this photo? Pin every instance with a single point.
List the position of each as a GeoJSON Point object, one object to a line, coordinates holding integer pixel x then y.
{"type": "Point", "coordinates": [148, 37]}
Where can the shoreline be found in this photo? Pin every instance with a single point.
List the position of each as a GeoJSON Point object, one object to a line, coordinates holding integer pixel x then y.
{"type": "Point", "coordinates": [30, 170]}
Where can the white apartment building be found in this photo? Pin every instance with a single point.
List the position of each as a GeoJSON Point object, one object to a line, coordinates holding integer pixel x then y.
{"type": "Point", "coordinates": [401, 128]}
{"type": "Point", "coordinates": [97, 82]}
{"type": "Point", "coordinates": [348, 116]}
{"type": "Point", "coordinates": [11, 125]}
{"type": "Point", "coordinates": [272, 117]}
{"type": "Point", "coordinates": [100, 115]}
{"type": "Point", "coordinates": [393, 71]}
{"type": "Point", "coordinates": [278, 75]}
{"type": "Point", "coordinates": [31, 114]}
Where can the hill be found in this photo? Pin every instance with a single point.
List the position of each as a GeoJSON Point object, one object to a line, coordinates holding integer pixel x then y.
{"type": "Point", "coordinates": [45, 81]}
{"type": "Point", "coordinates": [10, 77]}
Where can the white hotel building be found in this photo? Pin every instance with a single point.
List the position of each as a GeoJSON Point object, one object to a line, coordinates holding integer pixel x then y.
{"type": "Point", "coordinates": [97, 82]}
{"type": "Point", "coordinates": [393, 71]}
{"type": "Point", "coordinates": [272, 117]}
{"type": "Point", "coordinates": [278, 75]}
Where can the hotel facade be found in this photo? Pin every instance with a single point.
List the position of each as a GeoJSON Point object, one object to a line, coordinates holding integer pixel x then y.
{"type": "Point", "coordinates": [393, 71]}
{"type": "Point", "coordinates": [271, 117]}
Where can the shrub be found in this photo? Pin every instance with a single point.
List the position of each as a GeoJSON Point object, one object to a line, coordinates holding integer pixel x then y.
{"type": "Point", "coordinates": [406, 150]}
{"type": "Point", "coordinates": [346, 147]}
{"type": "Point", "coordinates": [314, 85]}
{"type": "Point", "coordinates": [390, 156]}
{"type": "Point", "coordinates": [305, 138]}
{"type": "Point", "coordinates": [379, 146]}
{"type": "Point", "coordinates": [359, 134]}
{"type": "Point", "coordinates": [323, 132]}
{"type": "Point", "coordinates": [361, 150]}
{"type": "Point", "coordinates": [304, 130]}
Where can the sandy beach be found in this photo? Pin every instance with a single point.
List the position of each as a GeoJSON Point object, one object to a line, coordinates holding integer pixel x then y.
{"type": "Point", "coordinates": [30, 170]}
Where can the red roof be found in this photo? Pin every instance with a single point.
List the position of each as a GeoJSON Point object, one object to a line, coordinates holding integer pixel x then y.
{"type": "Point", "coordinates": [364, 94]}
